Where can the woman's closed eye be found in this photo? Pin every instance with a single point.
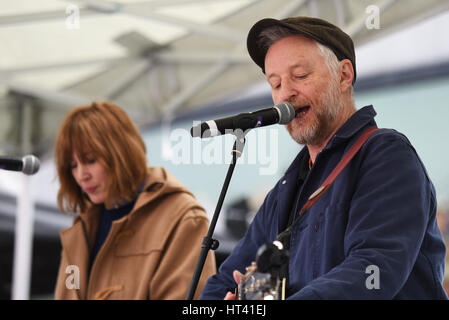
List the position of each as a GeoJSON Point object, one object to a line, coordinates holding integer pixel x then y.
{"type": "Point", "coordinates": [90, 160]}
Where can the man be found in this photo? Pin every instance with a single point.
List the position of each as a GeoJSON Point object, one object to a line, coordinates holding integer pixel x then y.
{"type": "Point", "coordinates": [373, 234]}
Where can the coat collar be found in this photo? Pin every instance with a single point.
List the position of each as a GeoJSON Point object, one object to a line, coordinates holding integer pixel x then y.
{"type": "Point", "coordinates": [359, 120]}
{"type": "Point", "coordinates": [159, 182]}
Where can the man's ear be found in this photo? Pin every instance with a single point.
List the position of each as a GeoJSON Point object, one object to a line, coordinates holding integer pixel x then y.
{"type": "Point", "coordinates": [346, 74]}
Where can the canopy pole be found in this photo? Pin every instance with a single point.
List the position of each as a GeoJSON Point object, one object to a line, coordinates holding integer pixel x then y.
{"type": "Point", "coordinates": [24, 224]}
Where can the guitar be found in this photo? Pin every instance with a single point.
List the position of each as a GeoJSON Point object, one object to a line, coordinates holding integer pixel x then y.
{"type": "Point", "coordinates": [263, 280]}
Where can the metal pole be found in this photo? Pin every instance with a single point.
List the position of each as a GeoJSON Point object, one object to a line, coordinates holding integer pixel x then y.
{"type": "Point", "coordinates": [208, 242]}
{"type": "Point", "coordinates": [24, 224]}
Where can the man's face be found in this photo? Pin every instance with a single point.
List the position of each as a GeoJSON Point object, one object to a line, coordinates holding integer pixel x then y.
{"type": "Point", "coordinates": [297, 74]}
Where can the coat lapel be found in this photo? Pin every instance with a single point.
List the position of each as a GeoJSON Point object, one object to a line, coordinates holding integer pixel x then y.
{"type": "Point", "coordinates": [77, 252]}
{"type": "Point", "coordinates": [77, 242]}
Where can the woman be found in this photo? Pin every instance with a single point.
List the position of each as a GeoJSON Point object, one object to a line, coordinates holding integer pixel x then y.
{"type": "Point", "coordinates": [138, 231]}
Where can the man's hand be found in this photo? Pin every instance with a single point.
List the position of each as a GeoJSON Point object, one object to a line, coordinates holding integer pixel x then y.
{"type": "Point", "coordinates": [237, 276]}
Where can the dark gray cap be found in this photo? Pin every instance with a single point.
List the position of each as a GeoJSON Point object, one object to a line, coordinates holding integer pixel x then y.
{"type": "Point", "coordinates": [320, 30]}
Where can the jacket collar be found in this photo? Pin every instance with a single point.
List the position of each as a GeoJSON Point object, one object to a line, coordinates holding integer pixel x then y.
{"type": "Point", "coordinates": [355, 123]}
{"type": "Point", "coordinates": [159, 182]}
{"type": "Point", "coordinates": [359, 120]}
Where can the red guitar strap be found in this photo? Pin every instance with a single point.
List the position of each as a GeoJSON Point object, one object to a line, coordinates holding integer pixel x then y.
{"type": "Point", "coordinates": [332, 176]}
{"type": "Point", "coordinates": [338, 169]}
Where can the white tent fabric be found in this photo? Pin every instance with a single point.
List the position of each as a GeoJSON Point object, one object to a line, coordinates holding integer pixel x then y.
{"type": "Point", "coordinates": [154, 58]}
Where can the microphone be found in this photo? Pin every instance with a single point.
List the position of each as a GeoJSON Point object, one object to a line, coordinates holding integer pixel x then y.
{"type": "Point", "coordinates": [281, 113]}
{"type": "Point", "coordinates": [28, 164]}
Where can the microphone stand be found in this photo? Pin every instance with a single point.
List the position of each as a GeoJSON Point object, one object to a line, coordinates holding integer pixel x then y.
{"type": "Point", "coordinates": [208, 242]}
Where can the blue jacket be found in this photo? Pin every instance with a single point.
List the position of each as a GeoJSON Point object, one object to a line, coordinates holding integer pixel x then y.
{"type": "Point", "coordinates": [380, 211]}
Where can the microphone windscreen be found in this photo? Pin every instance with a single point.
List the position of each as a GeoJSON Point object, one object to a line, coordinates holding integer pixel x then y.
{"type": "Point", "coordinates": [31, 164]}
{"type": "Point", "coordinates": [286, 112]}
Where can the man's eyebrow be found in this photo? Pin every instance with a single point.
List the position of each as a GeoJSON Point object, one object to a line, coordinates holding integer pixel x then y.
{"type": "Point", "coordinates": [296, 65]}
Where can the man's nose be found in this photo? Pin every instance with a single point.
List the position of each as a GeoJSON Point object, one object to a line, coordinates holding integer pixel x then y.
{"type": "Point", "coordinates": [288, 91]}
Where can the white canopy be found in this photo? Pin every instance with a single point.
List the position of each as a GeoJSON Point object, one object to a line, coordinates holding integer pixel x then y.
{"type": "Point", "coordinates": [154, 58]}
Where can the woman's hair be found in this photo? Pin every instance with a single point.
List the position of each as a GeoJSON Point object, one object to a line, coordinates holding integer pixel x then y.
{"type": "Point", "coordinates": [104, 131]}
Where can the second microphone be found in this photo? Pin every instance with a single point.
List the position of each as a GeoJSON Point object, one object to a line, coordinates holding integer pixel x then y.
{"type": "Point", "coordinates": [281, 113]}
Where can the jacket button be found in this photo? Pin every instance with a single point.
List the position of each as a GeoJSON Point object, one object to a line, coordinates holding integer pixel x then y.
{"type": "Point", "coordinates": [284, 182]}
{"type": "Point", "coordinates": [315, 227]}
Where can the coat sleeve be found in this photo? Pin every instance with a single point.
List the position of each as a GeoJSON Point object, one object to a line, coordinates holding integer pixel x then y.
{"type": "Point", "coordinates": [392, 208]}
{"type": "Point", "coordinates": [179, 259]}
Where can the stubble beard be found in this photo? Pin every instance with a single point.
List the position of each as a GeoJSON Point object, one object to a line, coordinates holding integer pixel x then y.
{"type": "Point", "coordinates": [330, 103]}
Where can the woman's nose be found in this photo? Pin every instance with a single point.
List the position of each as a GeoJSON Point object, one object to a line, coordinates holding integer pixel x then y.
{"type": "Point", "coordinates": [81, 172]}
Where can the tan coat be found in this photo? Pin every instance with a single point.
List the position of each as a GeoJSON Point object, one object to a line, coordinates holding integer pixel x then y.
{"type": "Point", "coordinates": [149, 254]}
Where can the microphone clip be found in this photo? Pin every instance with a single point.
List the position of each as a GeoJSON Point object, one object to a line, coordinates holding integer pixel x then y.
{"type": "Point", "coordinates": [239, 144]}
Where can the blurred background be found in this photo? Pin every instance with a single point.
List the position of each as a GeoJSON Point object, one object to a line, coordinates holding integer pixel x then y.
{"type": "Point", "coordinates": [171, 63]}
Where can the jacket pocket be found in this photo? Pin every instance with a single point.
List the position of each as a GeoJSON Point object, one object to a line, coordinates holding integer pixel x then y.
{"type": "Point", "coordinates": [127, 243]}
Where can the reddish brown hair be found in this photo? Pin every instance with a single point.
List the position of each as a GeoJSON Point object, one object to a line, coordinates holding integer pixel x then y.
{"type": "Point", "coordinates": [105, 131]}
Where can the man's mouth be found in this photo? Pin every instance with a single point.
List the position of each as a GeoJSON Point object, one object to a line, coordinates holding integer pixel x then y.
{"type": "Point", "coordinates": [301, 112]}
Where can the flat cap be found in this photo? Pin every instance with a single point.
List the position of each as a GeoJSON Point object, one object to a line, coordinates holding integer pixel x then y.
{"type": "Point", "coordinates": [320, 30]}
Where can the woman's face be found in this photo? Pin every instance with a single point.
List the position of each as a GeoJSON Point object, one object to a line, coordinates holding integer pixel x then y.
{"type": "Point", "coordinates": [90, 176]}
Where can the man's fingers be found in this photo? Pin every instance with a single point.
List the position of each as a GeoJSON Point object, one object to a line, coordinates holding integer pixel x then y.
{"type": "Point", "coordinates": [230, 296]}
{"type": "Point", "coordinates": [237, 276]}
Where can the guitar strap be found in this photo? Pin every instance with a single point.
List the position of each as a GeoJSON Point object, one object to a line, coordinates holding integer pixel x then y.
{"type": "Point", "coordinates": [327, 183]}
